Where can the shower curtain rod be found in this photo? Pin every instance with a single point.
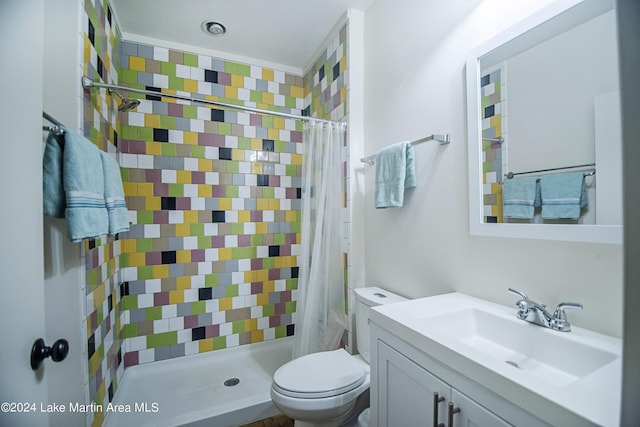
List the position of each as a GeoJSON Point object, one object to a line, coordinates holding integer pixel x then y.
{"type": "Point", "coordinates": [88, 83]}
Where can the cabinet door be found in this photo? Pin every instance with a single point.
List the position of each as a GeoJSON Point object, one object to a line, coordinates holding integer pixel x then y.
{"type": "Point", "coordinates": [471, 414]}
{"type": "Point", "coordinates": [406, 391]}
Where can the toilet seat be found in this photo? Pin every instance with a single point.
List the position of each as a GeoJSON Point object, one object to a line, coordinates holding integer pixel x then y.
{"type": "Point", "coordinates": [320, 375]}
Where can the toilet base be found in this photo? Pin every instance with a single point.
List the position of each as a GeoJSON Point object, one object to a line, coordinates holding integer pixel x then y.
{"type": "Point", "coordinates": [297, 423]}
{"type": "Point", "coordinates": [362, 403]}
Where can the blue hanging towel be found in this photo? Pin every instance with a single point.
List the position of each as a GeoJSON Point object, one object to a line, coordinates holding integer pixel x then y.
{"type": "Point", "coordinates": [53, 198]}
{"type": "Point", "coordinates": [83, 181]}
{"type": "Point", "coordinates": [520, 196]}
{"type": "Point", "coordinates": [395, 171]}
{"type": "Point", "coordinates": [563, 195]}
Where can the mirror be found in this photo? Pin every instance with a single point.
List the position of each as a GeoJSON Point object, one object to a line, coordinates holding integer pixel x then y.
{"type": "Point", "coordinates": [543, 103]}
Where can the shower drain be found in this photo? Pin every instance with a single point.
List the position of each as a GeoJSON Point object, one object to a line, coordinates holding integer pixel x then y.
{"type": "Point", "coordinates": [231, 382]}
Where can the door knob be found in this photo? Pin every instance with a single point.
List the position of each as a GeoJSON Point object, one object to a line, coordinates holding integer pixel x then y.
{"type": "Point", "coordinates": [58, 351]}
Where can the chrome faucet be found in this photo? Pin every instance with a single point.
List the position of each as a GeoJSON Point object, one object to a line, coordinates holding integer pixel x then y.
{"type": "Point", "coordinates": [533, 312]}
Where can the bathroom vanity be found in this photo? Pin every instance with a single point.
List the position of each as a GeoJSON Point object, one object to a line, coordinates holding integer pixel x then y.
{"type": "Point", "coordinates": [455, 360]}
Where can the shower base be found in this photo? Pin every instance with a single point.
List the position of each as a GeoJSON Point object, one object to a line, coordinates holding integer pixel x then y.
{"type": "Point", "coordinates": [223, 388]}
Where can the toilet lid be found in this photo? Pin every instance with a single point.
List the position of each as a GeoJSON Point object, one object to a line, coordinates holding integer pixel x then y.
{"type": "Point", "coordinates": [324, 374]}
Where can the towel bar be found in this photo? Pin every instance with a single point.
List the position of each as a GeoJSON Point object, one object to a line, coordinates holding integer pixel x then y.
{"type": "Point", "coordinates": [443, 139]}
{"type": "Point", "coordinates": [586, 165]}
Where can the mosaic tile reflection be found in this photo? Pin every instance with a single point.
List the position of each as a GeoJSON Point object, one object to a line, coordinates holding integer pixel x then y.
{"type": "Point", "coordinates": [492, 106]}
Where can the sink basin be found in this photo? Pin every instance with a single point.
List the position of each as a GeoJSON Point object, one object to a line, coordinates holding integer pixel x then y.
{"type": "Point", "coordinates": [547, 354]}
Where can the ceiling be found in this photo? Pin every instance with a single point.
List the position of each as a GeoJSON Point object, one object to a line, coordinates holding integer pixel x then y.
{"type": "Point", "coordinates": [284, 33]}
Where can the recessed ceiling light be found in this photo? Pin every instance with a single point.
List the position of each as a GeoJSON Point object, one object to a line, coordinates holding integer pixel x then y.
{"type": "Point", "coordinates": [213, 28]}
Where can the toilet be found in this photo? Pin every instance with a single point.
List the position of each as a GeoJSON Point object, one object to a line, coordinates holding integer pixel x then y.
{"type": "Point", "coordinates": [331, 388]}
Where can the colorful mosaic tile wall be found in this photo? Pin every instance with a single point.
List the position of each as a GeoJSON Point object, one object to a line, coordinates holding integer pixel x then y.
{"type": "Point", "coordinates": [211, 259]}
{"type": "Point", "coordinates": [492, 107]}
{"type": "Point", "coordinates": [103, 297]}
{"type": "Point", "coordinates": [325, 85]}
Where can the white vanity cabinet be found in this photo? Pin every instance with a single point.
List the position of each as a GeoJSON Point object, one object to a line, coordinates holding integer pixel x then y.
{"type": "Point", "coordinates": [408, 396]}
{"type": "Point", "coordinates": [404, 383]}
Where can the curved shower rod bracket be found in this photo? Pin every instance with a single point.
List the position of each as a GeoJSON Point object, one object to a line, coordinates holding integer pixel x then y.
{"type": "Point", "coordinates": [125, 105]}
{"type": "Point", "coordinates": [88, 84]}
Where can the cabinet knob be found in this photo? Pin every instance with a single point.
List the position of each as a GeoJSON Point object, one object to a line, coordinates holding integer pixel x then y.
{"type": "Point", "coordinates": [436, 400]}
{"type": "Point", "coordinates": [452, 410]}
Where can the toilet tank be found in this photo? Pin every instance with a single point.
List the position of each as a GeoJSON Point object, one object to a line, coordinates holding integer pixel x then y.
{"type": "Point", "coordinates": [365, 298]}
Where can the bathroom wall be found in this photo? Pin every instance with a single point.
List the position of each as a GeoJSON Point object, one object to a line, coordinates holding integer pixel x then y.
{"type": "Point", "coordinates": [63, 261]}
{"type": "Point", "coordinates": [414, 85]}
{"type": "Point", "coordinates": [585, 66]}
{"type": "Point", "coordinates": [325, 80]}
{"type": "Point", "coordinates": [354, 232]}
{"type": "Point", "coordinates": [101, 323]}
{"type": "Point", "coordinates": [210, 261]}
{"type": "Point", "coordinates": [22, 306]}
{"type": "Point", "coordinates": [211, 258]}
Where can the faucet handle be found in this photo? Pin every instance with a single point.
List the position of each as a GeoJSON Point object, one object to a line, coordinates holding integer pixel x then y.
{"type": "Point", "coordinates": [560, 314]}
{"type": "Point", "coordinates": [559, 321]}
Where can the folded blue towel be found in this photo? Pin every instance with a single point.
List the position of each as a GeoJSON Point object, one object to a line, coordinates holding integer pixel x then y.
{"type": "Point", "coordinates": [563, 195]}
{"type": "Point", "coordinates": [53, 199]}
{"type": "Point", "coordinates": [114, 195]}
{"type": "Point", "coordinates": [83, 182]}
{"type": "Point", "coordinates": [520, 196]}
{"type": "Point", "coordinates": [395, 171]}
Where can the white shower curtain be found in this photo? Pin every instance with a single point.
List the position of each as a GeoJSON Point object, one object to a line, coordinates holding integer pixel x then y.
{"type": "Point", "coordinates": [320, 308]}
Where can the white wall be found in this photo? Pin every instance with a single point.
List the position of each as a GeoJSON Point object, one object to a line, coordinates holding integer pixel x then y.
{"type": "Point", "coordinates": [64, 267]}
{"type": "Point", "coordinates": [355, 193]}
{"type": "Point", "coordinates": [551, 90]}
{"type": "Point", "coordinates": [608, 133]}
{"type": "Point", "coordinates": [21, 263]}
{"type": "Point", "coordinates": [414, 86]}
